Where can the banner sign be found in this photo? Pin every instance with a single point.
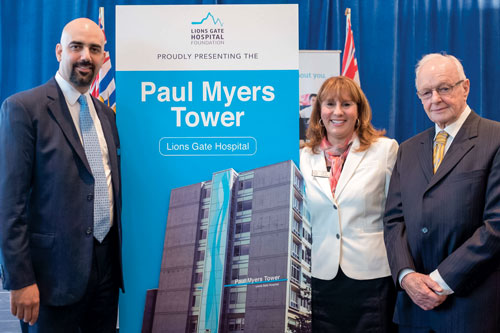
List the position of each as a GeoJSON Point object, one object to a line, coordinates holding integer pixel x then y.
{"type": "Point", "coordinates": [207, 121]}
{"type": "Point", "coordinates": [315, 67]}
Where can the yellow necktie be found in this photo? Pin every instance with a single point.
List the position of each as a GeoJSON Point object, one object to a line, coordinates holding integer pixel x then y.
{"type": "Point", "coordinates": [439, 145]}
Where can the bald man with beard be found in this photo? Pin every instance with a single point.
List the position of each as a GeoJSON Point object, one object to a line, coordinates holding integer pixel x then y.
{"type": "Point", "coordinates": [62, 276]}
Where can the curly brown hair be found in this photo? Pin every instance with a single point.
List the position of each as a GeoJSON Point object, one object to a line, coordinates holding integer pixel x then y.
{"type": "Point", "coordinates": [344, 88]}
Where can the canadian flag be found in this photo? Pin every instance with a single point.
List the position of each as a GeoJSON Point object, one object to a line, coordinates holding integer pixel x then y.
{"type": "Point", "coordinates": [349, 62]}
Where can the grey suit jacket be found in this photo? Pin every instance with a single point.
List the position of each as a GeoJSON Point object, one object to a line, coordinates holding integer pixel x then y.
{"type": "Point", "coordinates": [46, 194]}
{"type": "Point", "coordinates": [450, 221]}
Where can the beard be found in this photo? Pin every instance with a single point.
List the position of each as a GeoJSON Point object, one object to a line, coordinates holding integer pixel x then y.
{"type": "Point", "coordinates": [79, 79]}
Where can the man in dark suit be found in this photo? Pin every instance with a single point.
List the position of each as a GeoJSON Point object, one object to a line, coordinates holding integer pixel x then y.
{"type": "Point", "coordinates": [442, 219]}
{"type": "Point", "coordinates": [60, 195]}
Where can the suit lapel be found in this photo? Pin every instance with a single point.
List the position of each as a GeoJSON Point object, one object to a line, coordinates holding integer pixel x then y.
{"type": "Point", "coordinates": [318, 164]}
{"type": "Point", "coordinates": [425, 155]}
{"type": "Point", "coordinates": [460, 146]}
{"type": "Point", "coordinates": [59, 109]}
{"type": "Point", "coordinates": [351, 164]}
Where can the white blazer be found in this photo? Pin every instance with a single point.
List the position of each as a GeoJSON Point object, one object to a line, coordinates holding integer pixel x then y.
{"type": "Point", "coordinates": [347, 229]}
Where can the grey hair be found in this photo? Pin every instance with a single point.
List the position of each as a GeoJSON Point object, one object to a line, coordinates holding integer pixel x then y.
{"type": "Point", "coordinates": [426, 58]}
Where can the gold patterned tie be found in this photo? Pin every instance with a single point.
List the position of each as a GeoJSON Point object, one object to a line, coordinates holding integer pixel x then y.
{"type": "Point", "coordinates": [439, 145]}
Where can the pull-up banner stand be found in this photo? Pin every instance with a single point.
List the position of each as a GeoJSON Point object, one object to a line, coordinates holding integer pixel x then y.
{"type": "Point", "coordinates": [204, 94]}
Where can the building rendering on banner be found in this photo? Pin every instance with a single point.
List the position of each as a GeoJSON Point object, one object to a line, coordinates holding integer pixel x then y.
{"type": "Point", "coordinates": [237, 255]}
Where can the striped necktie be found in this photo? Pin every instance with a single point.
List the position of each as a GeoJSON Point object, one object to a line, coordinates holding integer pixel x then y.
{"type": "Point", "coordinates": [94, 157]}
{"type": "Point", "coordinates": [439, 145]}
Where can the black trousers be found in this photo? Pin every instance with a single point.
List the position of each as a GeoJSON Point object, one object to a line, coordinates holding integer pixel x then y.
{"type": "Point", "coordinates": [97, 311]}
{"type": "Point", "coordinates": [345, 305]}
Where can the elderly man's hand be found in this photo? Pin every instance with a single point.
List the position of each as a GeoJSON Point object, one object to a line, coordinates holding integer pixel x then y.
{"type": "Point", "coordinates": [25, 303]}
{"type": "Point", "coordinates": [422, 290]}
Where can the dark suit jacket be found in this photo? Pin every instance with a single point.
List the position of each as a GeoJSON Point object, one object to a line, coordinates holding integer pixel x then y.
{"type": "Point", "coordinates": [450, 221]}
{"type": "Point", "coordinates": [46, 194]}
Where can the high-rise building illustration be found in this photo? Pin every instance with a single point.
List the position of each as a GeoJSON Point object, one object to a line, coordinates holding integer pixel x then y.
{"type": "Point", "coordinates": [237, 255]}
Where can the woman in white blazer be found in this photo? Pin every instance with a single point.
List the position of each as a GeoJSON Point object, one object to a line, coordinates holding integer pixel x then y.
{"type": "Point", "coordinates": [346, 166]}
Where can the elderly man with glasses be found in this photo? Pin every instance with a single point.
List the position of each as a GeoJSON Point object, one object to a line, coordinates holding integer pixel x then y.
{"type": "Point", "coordinates": [442, 219]}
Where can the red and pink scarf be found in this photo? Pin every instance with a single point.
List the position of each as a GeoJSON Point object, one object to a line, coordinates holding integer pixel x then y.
{"type": "Point", "coordinates": [336, 155]}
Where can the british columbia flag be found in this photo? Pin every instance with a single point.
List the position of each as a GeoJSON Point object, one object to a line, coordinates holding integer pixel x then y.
{"type": "Point", "coordinates": [103, 86]}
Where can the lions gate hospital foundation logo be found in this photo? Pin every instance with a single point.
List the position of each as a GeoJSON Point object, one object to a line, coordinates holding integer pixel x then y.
{"type": "Point", "coordinates": [207, 31]}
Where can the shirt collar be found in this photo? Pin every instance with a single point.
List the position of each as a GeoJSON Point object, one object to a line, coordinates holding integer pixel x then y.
{"type": "Point", "coordinates": [70, 93]}
{"type": "Point", "coordinates": [454, 127]}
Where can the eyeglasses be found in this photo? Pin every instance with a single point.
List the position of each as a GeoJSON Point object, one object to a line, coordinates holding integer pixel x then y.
{"type": "Point", "coordinates": [442, 90]}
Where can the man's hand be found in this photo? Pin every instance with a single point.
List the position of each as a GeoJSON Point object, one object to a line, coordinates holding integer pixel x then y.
{"type": "Point", "coordinates": [422, 290]}
{"type": "Point", "coordinates": [25, 303]}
